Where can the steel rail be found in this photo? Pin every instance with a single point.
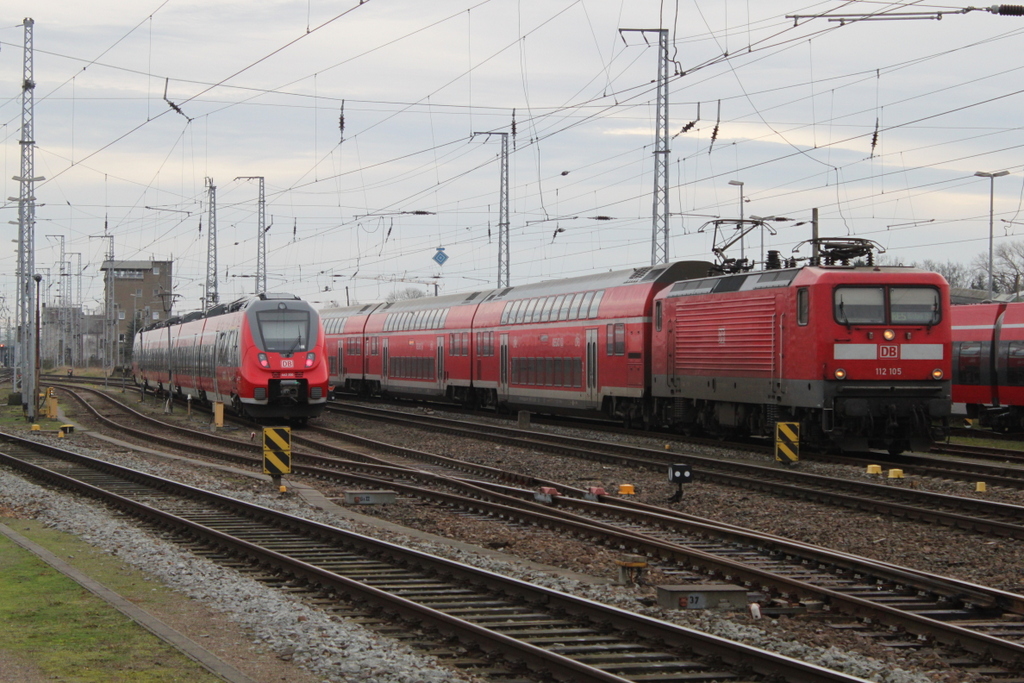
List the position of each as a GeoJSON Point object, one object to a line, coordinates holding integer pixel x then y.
{"type": "Point", "coordinates": [564, 668]}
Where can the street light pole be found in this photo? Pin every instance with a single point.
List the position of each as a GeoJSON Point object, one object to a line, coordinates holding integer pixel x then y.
{"type": "Point", "coordinates": [167, 299]}
{"type": "Point", "coordinates": [991, 216]}
{"type": "Point", "coordinates": [739, 184]}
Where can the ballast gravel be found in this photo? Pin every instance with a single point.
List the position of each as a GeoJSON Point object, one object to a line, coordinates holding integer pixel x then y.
{"type": "Point", "coordinates": [341, 652]}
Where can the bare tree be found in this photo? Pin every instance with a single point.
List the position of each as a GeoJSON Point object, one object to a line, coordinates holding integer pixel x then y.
{"type": "Point", "coordinates": [958, 275]}
{"type": "Point", "coordinates": [407, 293]}
{"type": "Point", "coordinates": [1007, 268]}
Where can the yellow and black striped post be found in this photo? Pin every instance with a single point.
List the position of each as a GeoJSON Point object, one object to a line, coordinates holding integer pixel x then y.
{"type": "Point", "coordinates": [787, 442]}
{"type": "Point", "coordinates": [277, 451]}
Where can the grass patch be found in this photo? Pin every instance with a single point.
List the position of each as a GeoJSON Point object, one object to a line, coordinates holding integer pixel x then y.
{"type": "Point", "coordinates": [67, 632]}
{"type": "Point", "coordinates": [982, 442]}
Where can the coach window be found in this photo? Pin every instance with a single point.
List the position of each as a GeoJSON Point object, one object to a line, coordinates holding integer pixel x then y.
{"type": "Point", "coordinates": [583, 308]}
{"type": "Point", "coordinates": [596, 303]}
{"type": "Point", "coordinates": [531, 311]}
{"type": "Point", "coordinates": [803, 307]}
{"type": "Point", "coordinates": [914, 305]}
{"type": "Point", "coordinates": [859, 305]}
{"type": "Point", "coordinates": [556, 307]}
{"type": "Point", "coordinates": [521, 311]}
{"type": "Point", "coordinates": [563, 311]}
{"type": "Point", "coordinates": [545, 314]}
{"type": "Point", "coordinates": [620, 339]}
{"type": "Point", "coordinates": [657, 316]}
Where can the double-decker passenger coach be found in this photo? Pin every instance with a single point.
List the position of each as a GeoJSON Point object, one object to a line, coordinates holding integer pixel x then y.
{"type": "Point", "coordinates": [263, 356]}
{"type": "Point", "coordinates": [988, 363]}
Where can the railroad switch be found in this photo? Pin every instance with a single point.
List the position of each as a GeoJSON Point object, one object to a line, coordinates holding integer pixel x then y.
{"type": "Point", "coordinates": [631, 570]}
{"type": "Point", "coordinates": [546, 494]}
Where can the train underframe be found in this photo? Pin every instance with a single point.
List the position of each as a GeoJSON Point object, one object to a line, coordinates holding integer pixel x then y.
{"type": "Point", "coordinates": [884, 422]}
{"type": "Point", "coordinates": [1004, 419]}
{"type": "Point", "coordinates": [852, 423]}
{"type": "Point", "coordinates": [291, 405]}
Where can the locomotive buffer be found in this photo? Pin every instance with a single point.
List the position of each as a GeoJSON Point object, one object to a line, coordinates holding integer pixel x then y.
{"type": "Point", "coordinates": [277, 453]}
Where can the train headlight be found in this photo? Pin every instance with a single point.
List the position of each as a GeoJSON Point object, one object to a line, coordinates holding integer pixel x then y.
{"type": "Point", "coordinates": [937, 373]}
{"type": "Point", "coordinates": [310, 359]}
{"type": "Point", "coordinates": [889, 335]}
{"type": "Point", "coordinates": [840, 373]}
{"type": "Point", "coordinates": [264, 361]}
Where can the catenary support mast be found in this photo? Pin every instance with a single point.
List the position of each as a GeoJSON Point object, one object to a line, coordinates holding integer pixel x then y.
{"type": "Point", "coordinates": [26, 315]}
{"type": "Point", "coordinates": [211, 295]}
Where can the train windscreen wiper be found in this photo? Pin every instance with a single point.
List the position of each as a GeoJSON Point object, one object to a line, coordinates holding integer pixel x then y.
{"type": "Point", "coordinates": [296, 345]}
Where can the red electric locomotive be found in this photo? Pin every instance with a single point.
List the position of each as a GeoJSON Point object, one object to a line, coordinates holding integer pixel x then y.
{"type": "Point", "coordinates": [988, 363]}
{"type": "Point", "coordinates": [263, 356]}
{"type": "Point", "coordinates": [856, 354]}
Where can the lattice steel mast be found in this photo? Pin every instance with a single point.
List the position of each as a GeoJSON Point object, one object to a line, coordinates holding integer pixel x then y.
{"type": "Point", "coordinates": [261, 243]}
{"type": "Point", "coordinates": [660, 213]}
{"type": "Point", "coordinates": [26, 317]}
{"type": "Point", "coordinates": [503, 223]}
{"type": "Point", "coordinates": [211, 295]}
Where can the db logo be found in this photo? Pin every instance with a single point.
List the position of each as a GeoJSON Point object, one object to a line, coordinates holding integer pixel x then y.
{"type": "Point", "coordinates": [889, 351]}
{"type": "Point", "coordinates": [289, 363]}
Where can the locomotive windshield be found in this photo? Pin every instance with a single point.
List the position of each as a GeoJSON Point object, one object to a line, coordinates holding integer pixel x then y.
{"type": "Point", "coordinates": [284, 331]}
{"type": "Point", "coordinates": [914, 305]}
{"type": "Point", "coordinates": [906, 306]}
{"type": "Point", "coordinates": [860, 305]}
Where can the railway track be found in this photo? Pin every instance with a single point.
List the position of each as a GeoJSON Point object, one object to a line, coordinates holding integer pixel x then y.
{"type": "Point", "coordinates": [920, 607]}
{"type": "Point", "coordinates": [545, 632]}
{"type": "Point", "coordinates": [975, 514]}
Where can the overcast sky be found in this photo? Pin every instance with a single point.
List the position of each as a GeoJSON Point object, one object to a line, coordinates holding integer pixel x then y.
{"type": "Point", "coordinates": [881, 125]}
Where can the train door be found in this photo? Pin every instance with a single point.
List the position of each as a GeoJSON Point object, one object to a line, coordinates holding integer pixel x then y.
{"type": "Point", "coordinates": [385, 368]}
{"type": "Point", "coordinates": [503, 369]}
{"type": "Point", "coordinates": [440, 362]}
{"type": "Point", "coordinates": [591, 360]}
{"type": "Point", "coordinates": [218, 354]}
{"type": "Point", "coordinates": [342, 371]}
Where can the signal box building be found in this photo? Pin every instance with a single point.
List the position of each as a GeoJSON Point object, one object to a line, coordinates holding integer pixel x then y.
{"type": "Point", "coordinates": [136, 288]}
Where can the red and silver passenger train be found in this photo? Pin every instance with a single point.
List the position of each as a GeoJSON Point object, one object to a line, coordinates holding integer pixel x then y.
{"type": "Point", "coordinates": [263, 356]}
{"type": "Point", "coordinates": [988, 363]}
{"type": "Point", "coordinates": [857, 355]}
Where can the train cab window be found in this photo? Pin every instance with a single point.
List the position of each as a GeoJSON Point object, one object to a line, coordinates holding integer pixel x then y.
{"type": "Point", "coordinates": [859, 305]}
{"type": "Point", "coordinates": [914, 305]}
{"type": "Point", "coordinates": [657, 316]}
{"type": "Point", "coordinates": [284, 331]}
{"type": "Point", "coordinates": [803, 307]}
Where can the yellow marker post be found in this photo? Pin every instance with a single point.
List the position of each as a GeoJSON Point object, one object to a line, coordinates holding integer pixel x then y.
{"type": "Point", "coordinates": [980, 487]}
{"type": "Point", "coordinates": [874, 469]}
{"type": "Point", "coordinates": [218, 414]}
{"type": "Point", "coordinates": [277, 451]}
{"type": "Point", "coordinates": [787, 442]}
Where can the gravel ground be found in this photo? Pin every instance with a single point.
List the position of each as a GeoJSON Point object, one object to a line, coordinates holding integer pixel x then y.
{"type": "Point", "coordinates": [964, 555]}
{"type": "Point", "coordinates": [337, 650]}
